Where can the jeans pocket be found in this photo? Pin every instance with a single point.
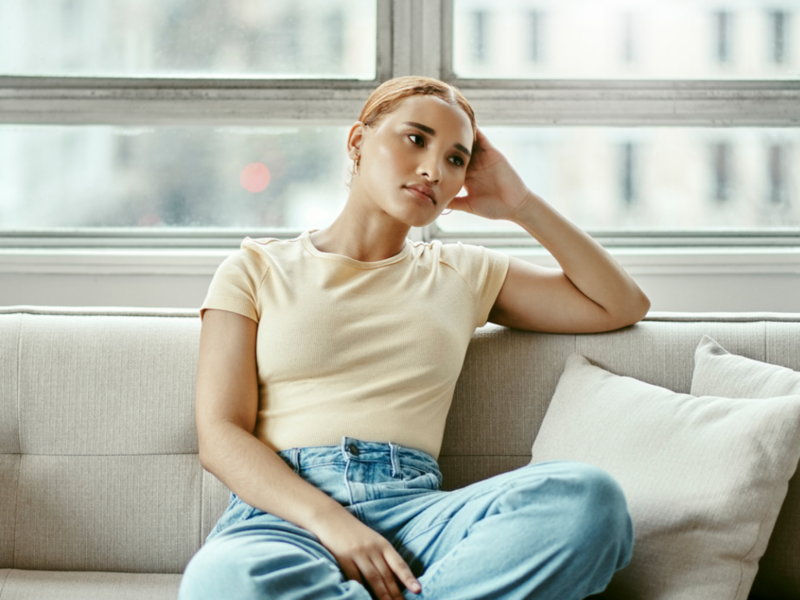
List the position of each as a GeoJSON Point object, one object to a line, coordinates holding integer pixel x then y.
{"type": "Point", "coordinates": [238, 510]}
{"type": "Point", "coordinates": [329, 478]}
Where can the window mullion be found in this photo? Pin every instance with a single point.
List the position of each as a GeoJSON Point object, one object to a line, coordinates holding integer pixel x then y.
{"type": "Point", "coordinates": [57, 101]}
{"type": "Point", "coordinates": [418, 38]}
{"type": "Point", "coordinates": [620, 103]}
{"type": "Point", "coordinates": [384, 42]}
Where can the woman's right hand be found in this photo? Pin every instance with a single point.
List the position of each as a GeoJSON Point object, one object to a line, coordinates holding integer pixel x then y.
{"type": "Point", "coordinates": [366, 556]}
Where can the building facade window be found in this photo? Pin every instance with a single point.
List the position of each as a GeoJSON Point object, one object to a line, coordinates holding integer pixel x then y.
{"type": "Point", "coordinates": [480, 47]}
{"type": "Point", "coordinates": [628, 173]}
{"type": "Point", "coordinates": [535, 36]}
{"type": "Point", "coordinates": [628, 45]}
{"type": "Point", "coordinates": [721, 153]}
{"type": "Point", "coordinates": [778, 30]}
{"type": "Point", "coordinates": [777, 158]}
{"type": "Point", "coordinates": [723, 34]}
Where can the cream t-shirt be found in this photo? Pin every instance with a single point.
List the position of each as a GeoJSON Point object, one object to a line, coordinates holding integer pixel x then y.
{"type": "Point", "coordinates": [370, 350]}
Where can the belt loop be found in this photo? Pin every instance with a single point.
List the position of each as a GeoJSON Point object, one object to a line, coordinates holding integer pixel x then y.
{"type": "Point", "coordinates": [395, 459]}
{"type": "Point", "coordinates": [296, 459]}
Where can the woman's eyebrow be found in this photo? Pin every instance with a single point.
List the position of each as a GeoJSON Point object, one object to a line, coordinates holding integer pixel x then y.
{"type": "Point", "coordinates": [430, 131]}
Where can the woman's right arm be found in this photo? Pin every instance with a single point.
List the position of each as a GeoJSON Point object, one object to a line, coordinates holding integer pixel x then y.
{"type": "Point", "coordinates": [226, 411]}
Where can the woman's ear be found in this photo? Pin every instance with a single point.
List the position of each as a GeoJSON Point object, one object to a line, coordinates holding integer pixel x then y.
{"type": "Point", "coordinates": [354, 140]}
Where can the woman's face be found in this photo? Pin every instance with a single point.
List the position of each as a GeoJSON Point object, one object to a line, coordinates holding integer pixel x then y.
{"type": "Point", "coordinates": [414, 160]}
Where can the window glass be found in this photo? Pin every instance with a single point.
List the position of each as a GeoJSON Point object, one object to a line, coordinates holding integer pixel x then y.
{"type": "Point", "coordinates": [654, 178]}
{"type": "Point", "coordinates": [605, 179]}
{"type": "Point", "coordinates": [627, 39]}
{"type": "Point", "coordinates": [189, 38]}
{"type": "Point", "coordinates": [101, 176]}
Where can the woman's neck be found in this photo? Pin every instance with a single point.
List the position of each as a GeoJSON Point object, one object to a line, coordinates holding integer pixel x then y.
{"type": "Point", "coordinates": [361, 236]}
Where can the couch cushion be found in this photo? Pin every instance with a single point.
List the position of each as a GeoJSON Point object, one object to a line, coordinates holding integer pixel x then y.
{"type": "Point", "coordinates": [138, 514]}
{"type": "Point", "coordinates": [98, 452]}
{"type": "Point", "coordinates": [102, 385]}
{"type": "Point", "coordinates": [724, 374]}
{"type": "Point", "coordinates": [36, 585]}
{"type": "Point", "coordinates": [518, 371]}
{"type": "Point", "coordinates": [216, 498]}
{"type": "Point", "coordinates": [9, 480]}
{"type": "Point", "coordinates": [705, 477]}
{"type": "Point", "coordinates": [9, 391]}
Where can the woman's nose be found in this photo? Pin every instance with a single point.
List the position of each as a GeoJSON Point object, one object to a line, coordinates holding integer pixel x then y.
{"type": "Point", "coordinates": [429, 169]}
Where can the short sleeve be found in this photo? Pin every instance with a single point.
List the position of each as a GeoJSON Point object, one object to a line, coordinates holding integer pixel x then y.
{"type": "Point", "coordinates": [484, 270]}
{"type": "Point", "coordinates": [235, 284]}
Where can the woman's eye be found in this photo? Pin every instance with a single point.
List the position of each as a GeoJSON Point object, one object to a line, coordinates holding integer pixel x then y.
{"type": "Point", "coordinates": [417, 139]}
{"type": "Point", "coordinates": [457, 161]}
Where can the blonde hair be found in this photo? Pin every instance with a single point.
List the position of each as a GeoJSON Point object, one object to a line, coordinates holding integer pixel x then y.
{"type": "Point", "coordinates": [387, 97]}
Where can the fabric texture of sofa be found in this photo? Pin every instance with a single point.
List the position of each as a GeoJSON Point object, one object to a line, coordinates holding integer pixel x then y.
{"type": "Point", "coordinates": [101, 491]}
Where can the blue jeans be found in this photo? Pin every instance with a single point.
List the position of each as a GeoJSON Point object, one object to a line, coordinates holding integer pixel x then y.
{"type": "Point", "coordinates": [556, 530]}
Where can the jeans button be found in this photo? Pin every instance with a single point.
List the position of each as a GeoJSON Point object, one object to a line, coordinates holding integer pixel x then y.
{"type": "Point", "coordinates": [353, 449]}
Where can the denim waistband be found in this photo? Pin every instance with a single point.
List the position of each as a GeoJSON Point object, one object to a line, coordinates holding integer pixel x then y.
{"type": "Point", "coordinates": [352, 449]}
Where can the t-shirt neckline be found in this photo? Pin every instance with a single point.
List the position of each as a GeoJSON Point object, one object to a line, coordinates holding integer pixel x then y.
{"type": "Point", "coordinates": [305, 237]}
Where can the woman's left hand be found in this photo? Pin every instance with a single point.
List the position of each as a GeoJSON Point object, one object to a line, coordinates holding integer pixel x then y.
{"type": "Point", "coordinates": [494, 189]}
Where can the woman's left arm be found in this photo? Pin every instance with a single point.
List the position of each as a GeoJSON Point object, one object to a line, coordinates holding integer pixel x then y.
{"type": "Point", "coordinates": [591, 293]}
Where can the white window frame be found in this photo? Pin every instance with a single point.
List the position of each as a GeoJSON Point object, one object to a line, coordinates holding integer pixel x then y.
{"type": "Point", "coordinates": [413, 37]}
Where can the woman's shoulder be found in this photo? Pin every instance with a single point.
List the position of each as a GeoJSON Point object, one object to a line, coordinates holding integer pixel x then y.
{"type": "Point", "coordinates": [477, 265]}
{"type": "Point", "coordinates": [269, 249]}
{"type": "Point", "coordinates": [457, 252]}
{"type": "Point", "coordinates": [265, 244]}
{"type": "Point", "coordinates": [254, 257]}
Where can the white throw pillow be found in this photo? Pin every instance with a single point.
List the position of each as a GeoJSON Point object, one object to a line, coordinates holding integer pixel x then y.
{"type": "Point", "coordinates": [718, 372]}
{"type": "Point", "coordinates": [704, 477]}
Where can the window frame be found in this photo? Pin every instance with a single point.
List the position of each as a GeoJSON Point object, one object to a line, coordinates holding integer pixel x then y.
{"type": "Point", "coordinates": [413, 37]}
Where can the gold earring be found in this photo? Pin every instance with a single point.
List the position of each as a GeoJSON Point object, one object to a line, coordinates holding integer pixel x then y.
{"type": "Point", "coordinates": [446, 213]}
{"type": "Point", "coordinates": [355, 164]}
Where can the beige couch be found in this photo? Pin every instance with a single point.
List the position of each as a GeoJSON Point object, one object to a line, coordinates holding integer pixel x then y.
{"type": "Point", "coordinates": [101, 492]}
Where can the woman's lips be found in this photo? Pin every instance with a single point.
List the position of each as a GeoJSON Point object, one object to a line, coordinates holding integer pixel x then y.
{"type": "Point", "coordinates": [420, 194]}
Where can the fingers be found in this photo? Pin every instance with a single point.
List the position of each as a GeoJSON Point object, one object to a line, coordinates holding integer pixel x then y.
{"type": "Point", "coordinates": [378, 573]}
{"type": "Point", "coordinates": [481, 140]}
{"type": "Point", "coordinates": [402, 570]}
{"type": "Point", "coordinates": [367, 557]}
{"type": "Point", "coordinates": [459, 203]}
{"type": "Point", "coordinates": [350, 570]}
{"type": "Point", "coordinates": [379, 577]}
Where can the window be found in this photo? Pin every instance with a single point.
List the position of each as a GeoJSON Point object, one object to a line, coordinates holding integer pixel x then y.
{"type": "Point", "coordinates": [628, 173]}
{"type": "Point", "coordinates": [480, 36]}
{"type": "Point", "coordinates": [174, 118]}
{"type": "Point", "coordinates": [628, 47]}
{"type": "Point", "coordinates": [185, 39]}
{"type": "Point", "coordinates": [535, 35]}
{"type": "Point", "coordinates": [779, 29]}
{"type": "Point", "coordinates": [722, 27]}
{"type": "Point", "coordinates": [778, 190]}
{"type": "Point", "coordinates": [721, 152]}
{"type": "Point", "coordinates": [189, 123]}
{"type": "Point", "coordinates": [657, 120]}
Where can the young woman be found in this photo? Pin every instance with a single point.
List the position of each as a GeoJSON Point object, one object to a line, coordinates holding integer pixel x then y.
{"type": "Point", "coordinates": [328, 363]}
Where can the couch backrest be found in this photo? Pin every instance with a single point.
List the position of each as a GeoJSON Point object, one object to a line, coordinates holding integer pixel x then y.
{"type": "Point", "coordinates": [509, 377]}
{"type": "Point", "coordinates": [98, 449]}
